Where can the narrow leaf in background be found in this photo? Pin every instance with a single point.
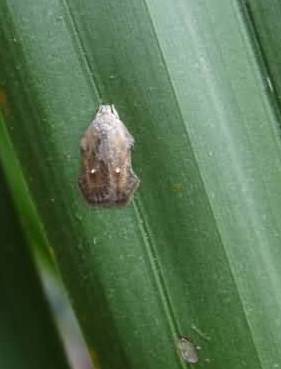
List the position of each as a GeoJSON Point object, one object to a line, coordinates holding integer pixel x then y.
{"type": "Point", "coordinates": [29, 339]}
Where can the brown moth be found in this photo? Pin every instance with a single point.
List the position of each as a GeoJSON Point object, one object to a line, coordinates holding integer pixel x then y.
{"type": "Point", "coordinates": [107, 178]}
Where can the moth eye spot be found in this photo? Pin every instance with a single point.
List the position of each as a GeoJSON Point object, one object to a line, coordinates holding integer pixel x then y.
{"type": "Point", "coordinates": [93, 171]}
{"type": "Point", "coordinates": [117, 170]}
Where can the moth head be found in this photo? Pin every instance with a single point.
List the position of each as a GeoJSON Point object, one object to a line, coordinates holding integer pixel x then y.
{"type": "Point", "coordinates": [107, 109]}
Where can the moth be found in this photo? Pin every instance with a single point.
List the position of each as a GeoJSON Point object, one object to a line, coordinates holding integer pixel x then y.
{"type": "Point", "coordinates": [187, 350]}
{"type": "Point", "coordinates": [107, 178]}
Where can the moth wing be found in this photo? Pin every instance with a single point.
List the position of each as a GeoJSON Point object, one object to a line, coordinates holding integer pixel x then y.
{"type": "Point", "coordinates": [107, 178]}
{"type": "Point", "coordinates": [125, 191]}
{"type": "Point", "coordinates": [94, 183]}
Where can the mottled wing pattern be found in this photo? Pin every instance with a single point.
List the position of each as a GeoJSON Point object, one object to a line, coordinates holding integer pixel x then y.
{"type": "Point", "coordinates": [124, 185]}
{"type": "Point", "coordinates": [94, 185]}
{"type": "Point", "coordinates": [107, 178]}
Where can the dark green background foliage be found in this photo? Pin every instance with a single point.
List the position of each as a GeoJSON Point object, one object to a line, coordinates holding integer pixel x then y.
{"type": "Point", "coordinates": [28, 338]}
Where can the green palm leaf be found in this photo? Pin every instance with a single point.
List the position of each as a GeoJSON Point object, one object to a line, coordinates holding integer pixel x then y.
{"type": "Point", "coordinates": [198, 252]}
